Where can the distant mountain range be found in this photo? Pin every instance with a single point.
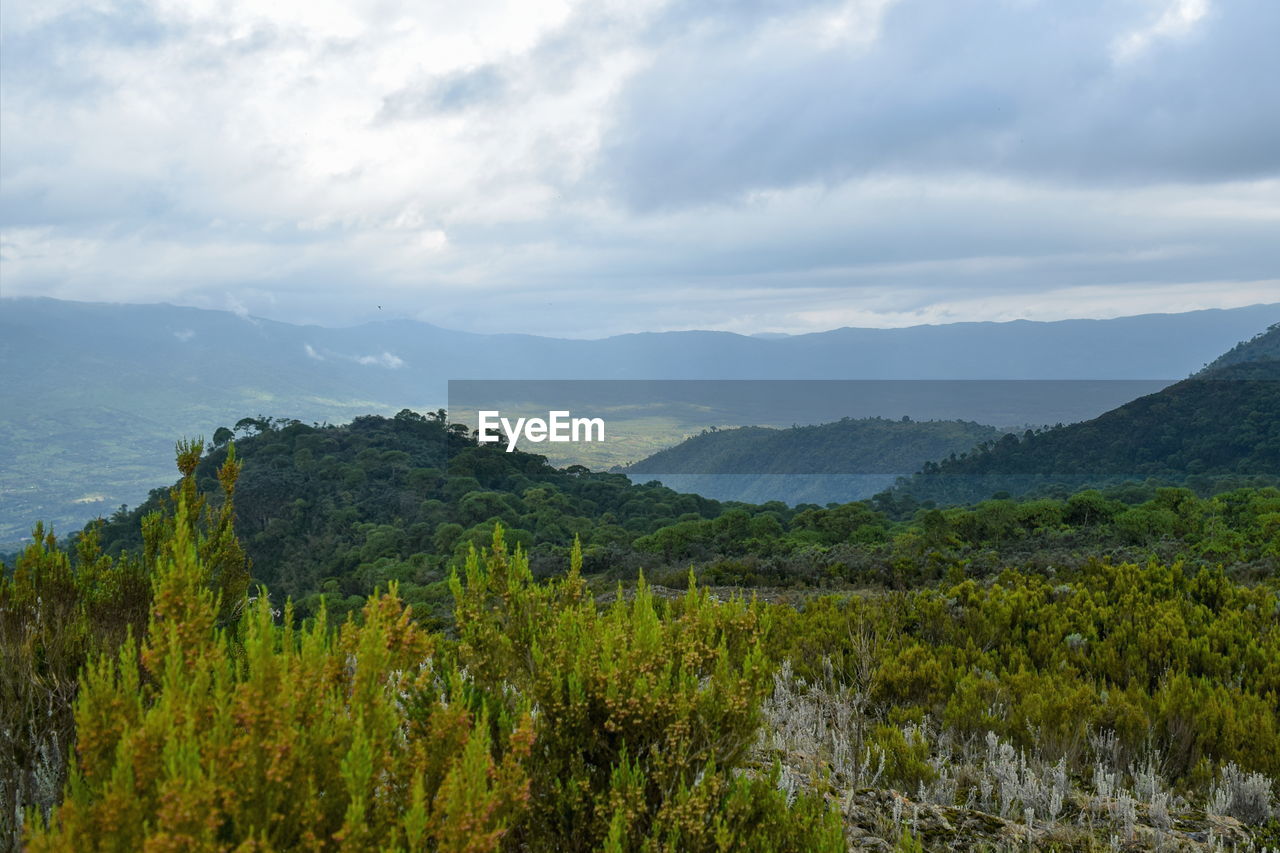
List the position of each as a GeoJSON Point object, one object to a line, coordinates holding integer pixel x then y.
{"type": "Point", "coordinates": [95, 394]}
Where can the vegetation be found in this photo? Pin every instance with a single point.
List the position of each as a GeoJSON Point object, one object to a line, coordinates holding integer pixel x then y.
{"type": "Point", "coordinates": [61, 611]}
{"type": "Point", "coordinates": [548, 724]}
{"type": "Point", "coordinates": [1103, 696]}
{"type": "Point", "coordinates": [424, 644]}
{"type": "Point", "coordinates": [1261, 348]}
{"type": "Point", "coordinates": [1217, 429]}
{"type": "Point", "coordinates": [341, 511]}
{"type": "Point", "coordinates": [832, 462]}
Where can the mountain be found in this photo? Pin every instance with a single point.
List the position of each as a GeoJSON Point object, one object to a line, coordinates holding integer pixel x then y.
{"type": "Point", "coordinates": [850, 459]}
{"type": "Point", "coordinates": [95, 394]}
{"type": "Point", "coordinates": [1219, 427]}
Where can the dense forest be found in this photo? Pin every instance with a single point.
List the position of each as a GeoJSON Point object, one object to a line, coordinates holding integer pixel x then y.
{"type": "Point", "coordinates": [849, 446]}
{"type": "Point", "coordinates": [340, 511]}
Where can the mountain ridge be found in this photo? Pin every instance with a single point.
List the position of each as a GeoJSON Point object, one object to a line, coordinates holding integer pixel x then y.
{"type": "Point", "coordinates": [106, 388]}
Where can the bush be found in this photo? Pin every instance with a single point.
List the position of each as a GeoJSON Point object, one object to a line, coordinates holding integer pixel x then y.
{"type": "Point", "coordinates": [646, 713]}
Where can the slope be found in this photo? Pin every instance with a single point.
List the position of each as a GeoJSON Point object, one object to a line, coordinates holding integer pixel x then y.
{"type": "Point", "coordinates": [1219, 428]}
{"type": "Point", "coordinates": [847, 460]}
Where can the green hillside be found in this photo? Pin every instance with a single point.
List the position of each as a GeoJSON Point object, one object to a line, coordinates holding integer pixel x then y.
{"type": "Point", "coordinates": [850, 459]}
{"type": "Point", "coordinates": [848, 446]}
{"type": "Point", "coordinates": [1220, 427]}
{"type": "Point", "coordinates": [1260, 349]}
{"type": "Point", "coordinates": [340, 510]}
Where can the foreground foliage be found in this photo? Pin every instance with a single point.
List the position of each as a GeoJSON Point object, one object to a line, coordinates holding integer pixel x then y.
{"type": "Point", "coordinates": [645, 710]}
{"type": "Point", "coordinates": [550, 725]}
{"type": "Point", "coordinates": [60, 611]}
{"type": "Point", "coordinates": [283, 738]}
{"type": "Point", "coordinates": [1063, 700]}
{"type": "Point", "coordinates": [1183, 665]}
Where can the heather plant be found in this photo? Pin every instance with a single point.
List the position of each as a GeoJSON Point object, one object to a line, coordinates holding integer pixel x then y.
{"type": "Point", "coordinates": [645, 713]}
{"type": "Point", "coordinates": [1244, 796]}
{"type": "Point", "coordinates": [1006, 798]}
{"type": "Point", "coordinates": [550, 723]}
{"type": "Point", "coordinates": [1184, 663]}
{"type": "Point", "coordinates": [280, 736]}
{"type": "Point", "coordinates": [62, 607]}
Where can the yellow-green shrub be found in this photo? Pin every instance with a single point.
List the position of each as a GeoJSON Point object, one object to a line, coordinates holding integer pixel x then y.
{"type": "Point", "coordinates": [644, 711]}
{"type": "Point", "coordinates": [280, 737]}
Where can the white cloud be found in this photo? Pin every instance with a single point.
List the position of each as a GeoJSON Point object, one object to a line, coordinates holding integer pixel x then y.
{"type": "Point", "coordinates": [1177, 19]}
{"type": "Point", "coordinates": [184, 335]}
{"type": "Point", "coordinates": [386, 359]}
{"type": "Point", "coordinates": [311, 352]}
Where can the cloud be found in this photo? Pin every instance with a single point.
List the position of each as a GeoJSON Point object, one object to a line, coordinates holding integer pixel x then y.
{"type": "Point", "coordinates": [311, 352]}
{"type": "Point", "coordinates": [448, 93]}
{"type": "Point", "coordinates": [586, 168]}
{"type": "Point", "coordinates": [1007, 89]}
{"type": "Point", "coordinates": [184, 335]}
{"type": "Point", "coordinates": [235, 306]}
{"type": "Point", "coordinates": [1177, 20]}
{"type": "Point", "coordinates": [386, 359]}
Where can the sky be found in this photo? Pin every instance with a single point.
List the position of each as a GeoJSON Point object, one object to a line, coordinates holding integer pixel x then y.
{"type": "Point", "coordinates": [590, 168]}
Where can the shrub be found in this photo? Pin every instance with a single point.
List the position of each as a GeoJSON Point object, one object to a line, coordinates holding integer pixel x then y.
{"type": "Point", "coordinates": [645, 712]}
{"type": "Point", "coordinates": [277, 737]}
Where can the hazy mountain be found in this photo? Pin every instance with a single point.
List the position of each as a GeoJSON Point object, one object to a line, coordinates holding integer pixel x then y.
{"type": "Point", "coordinates": [94, 394]}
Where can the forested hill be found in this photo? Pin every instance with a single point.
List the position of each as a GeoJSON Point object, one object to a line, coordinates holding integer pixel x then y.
{"type": "Point", "coordinates": [847, 446]}
{"type": "Point", "coordinates": [1263, 350]}
{"type": "Point", "coordinates": [850, 459]}
{"type": "Point", "coordinates": [1219, 428]}
{"type": "Point", "coordinates": [341, 510]}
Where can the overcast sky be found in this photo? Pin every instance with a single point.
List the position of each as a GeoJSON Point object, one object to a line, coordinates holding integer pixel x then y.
{"type": "Point", "coordinates": [589, 168]}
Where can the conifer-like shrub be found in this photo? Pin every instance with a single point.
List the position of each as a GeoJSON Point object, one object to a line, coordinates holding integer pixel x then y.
{"type": "Point", "coordinates": [280, 737]}
{"type": "Point", "coordinates": [61, 608]}
{"type": "Point", "coordinates": [645, 712]}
